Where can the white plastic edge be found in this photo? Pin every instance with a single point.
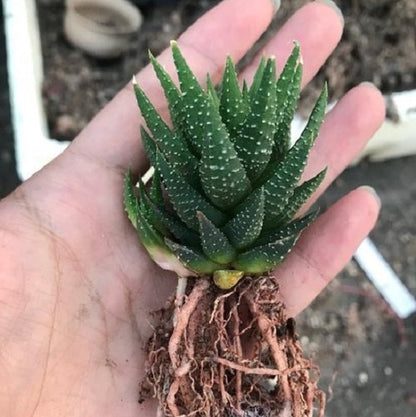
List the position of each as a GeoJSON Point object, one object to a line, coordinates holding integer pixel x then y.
{"type": "Point", "coordinates": [393, 139]}
{"type": "Point", "coordinates": [33, 147]}
{"type": "Point", "coordinates": [385, 279]}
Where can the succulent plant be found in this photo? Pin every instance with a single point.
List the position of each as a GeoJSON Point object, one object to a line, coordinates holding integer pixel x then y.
{"type": "Point", "coordinates": [224, 195]}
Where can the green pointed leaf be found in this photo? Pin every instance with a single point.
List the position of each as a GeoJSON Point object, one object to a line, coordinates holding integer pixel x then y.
{"type": "Point", "coordinates": [130, 200]}
{"type": "Point", "coordinates": [224, 146]}
{"type": "Point", "coordinates": [175, 226]}
{"type": "Point", "coordinates": [149, 236]}
{"type": "Point", "coordinates": [290, 229]}
{"type": "Point", "coordinates": [214, 242]}
{"type": "Point", "coordinates": [149, 146]}
{"type": "Point", "coordinates": [212, 92]}
{"type": "Point", "coordinates": [258, 76]}
{"type": "Point", "coordinates": [317, 116]}
{"type": "Point", "coordinates": [150, 228]}
{"type": "Point", "coordinates": [185, 199]}
{"type": "Point", "coordinates": [192, 259]}
{"type": "Point", "coordinates": [172, 94]}
{"type": "Point", "coordinates": [300, 195]}
{"type": "Point", "coordinates": [165, 222]}
{"type": "Point", "coordinates": [280, 186]}
{"type": "Point", "coordinates": [151, 239]}
{"type": "Point", "coordinates": [173, 147]}
{"type": "Point", "coordinates": [157, 248]}
{"type": "Point", "coordinates": [233, 108]}
{"type": "Point", "coordinates": [180, 231]}
{"type": "Point", "coordinates": [287, 109]}
{"type": "Point", "coordinates": [155, 192]}
{"type": "Point", "coordinates": [223, 178]}
{"type": "Point", "coordinates": [254, 142]}
{"type": "Point", "coordinates": [244, 228]}
{"type": "Point", "coordinates": [148, 209]}
{"type": "Point", "coordinates": [286, 77]}
{"type": "Point", "coordinates": [155, 123]}
{"type": "Point", "coordinates": [264, 258]}
{"type": "Point", "coordinates": [194, 99]}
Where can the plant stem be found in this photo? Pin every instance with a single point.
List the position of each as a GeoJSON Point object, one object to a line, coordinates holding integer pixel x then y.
{"type": "Point", "coordinates": [180, 295]}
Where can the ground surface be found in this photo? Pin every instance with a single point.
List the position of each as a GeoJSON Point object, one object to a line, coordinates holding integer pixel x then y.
{"type": "Point", "coordinates": [356, 342]}
{"type": "Point", "coordinates": [76, 86]}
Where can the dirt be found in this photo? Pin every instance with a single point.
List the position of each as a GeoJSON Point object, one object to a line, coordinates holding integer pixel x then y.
{"type": "Point", "coordinates": [367, 356]}
{"type": "Point", "coordinates": [77, 86]}
{"type": "Point", "coordinates": [378, 45]}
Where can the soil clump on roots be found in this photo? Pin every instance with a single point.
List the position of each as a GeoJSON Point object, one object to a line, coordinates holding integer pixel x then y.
{"type": "Point", "coordinates": [230, 354]}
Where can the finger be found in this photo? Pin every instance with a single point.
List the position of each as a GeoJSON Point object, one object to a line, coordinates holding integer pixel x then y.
{"type": "Point", "coordinates": [113, 135]}
{"type": "Point", "coordinates": [317, 27]}
{"type": "Point", "coordinates": [325, 247]}
{"type": "Point", "coordinates": [346, 130]}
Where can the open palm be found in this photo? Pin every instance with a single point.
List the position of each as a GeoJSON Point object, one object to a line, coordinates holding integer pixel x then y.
{"type": "Point", "coordinates": [77, 289]}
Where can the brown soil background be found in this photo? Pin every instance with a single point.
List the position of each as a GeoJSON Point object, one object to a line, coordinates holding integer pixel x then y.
{"type": "Point", "coordinates": [379, 45]}
{"type": "Point", "coordinates": [368, 367]}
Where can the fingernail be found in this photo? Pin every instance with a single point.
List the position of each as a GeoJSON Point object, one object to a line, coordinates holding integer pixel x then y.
{"type": "Point", "coordinates": [368, 84]}
{"type": "Point", "coordinates": [371, 191]}
{"type": "Point", "coordinates": [334, 6]}
{"type": "Point", "coordinates": [276, 5]}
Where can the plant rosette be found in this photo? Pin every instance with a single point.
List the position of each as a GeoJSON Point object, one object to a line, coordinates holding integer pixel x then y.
{"type": "Point", "coordinates": [221, 212]}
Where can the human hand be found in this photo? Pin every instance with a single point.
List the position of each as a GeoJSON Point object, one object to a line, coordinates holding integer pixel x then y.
{"type": "Point", "coordinates": [77, 288]}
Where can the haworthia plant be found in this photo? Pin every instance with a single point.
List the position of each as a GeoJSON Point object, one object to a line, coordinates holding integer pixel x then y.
{"type": "Point", "coordinates": [225, 194]}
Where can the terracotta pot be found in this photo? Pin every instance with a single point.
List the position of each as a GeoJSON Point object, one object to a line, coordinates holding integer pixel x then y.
{"type": "Point", "coordinates": [101, 28]}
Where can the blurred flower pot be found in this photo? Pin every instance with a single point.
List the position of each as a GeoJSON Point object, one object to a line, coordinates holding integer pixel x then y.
{"type": "Point", "coordinates": [101, 28]}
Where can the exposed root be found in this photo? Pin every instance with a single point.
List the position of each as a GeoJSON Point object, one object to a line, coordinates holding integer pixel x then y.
{"type": "Point", "coordinates": [231, 354]}
{"type": "Point", "coordinates": [267, 330]}
{"type": "Point", "coordinates": [180, 296]}
{"type": "Point", "coordinates": [182, 320]}
{"type": "Point", "coordinates": [254, 371]}
{"type": "Point", "coordinates": [239, 352]}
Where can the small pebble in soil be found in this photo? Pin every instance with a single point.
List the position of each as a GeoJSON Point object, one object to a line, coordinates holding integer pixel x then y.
{"type": "Point", "coordinates": [388, 371]}
{"type": "Point", "coordinates": [362, 379]}
{"type": "Point", "coordinates": [65, 126]}
{"type": "Point", "coordinates": [5, 157]}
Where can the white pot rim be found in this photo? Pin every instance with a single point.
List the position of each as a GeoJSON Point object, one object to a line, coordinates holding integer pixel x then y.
{"type": "Point", "coordinates": [126, 17]}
